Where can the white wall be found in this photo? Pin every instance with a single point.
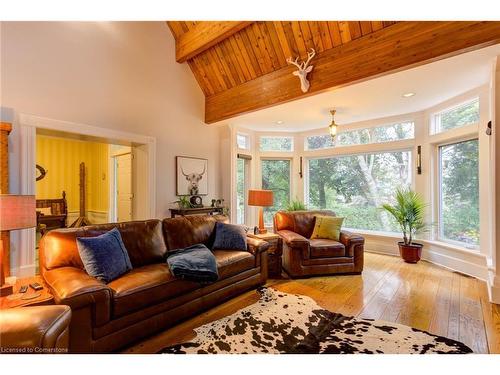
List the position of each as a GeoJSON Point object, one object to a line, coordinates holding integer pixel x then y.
{"type": "Point", "coordinates": [117, 75]}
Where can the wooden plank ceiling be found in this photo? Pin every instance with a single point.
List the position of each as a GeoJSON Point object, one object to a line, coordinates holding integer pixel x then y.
{"type": "Point", "coordinates": [262, 47]}
{"type": "Point", "coordinates": [241, 66]}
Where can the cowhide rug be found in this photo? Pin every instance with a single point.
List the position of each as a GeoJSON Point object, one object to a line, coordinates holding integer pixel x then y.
{"type": "Point", "coordinates": [288, 323]}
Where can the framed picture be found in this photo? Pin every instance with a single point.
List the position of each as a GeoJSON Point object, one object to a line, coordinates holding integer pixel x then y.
{"type": "Point", "coordinates": [192, 176]}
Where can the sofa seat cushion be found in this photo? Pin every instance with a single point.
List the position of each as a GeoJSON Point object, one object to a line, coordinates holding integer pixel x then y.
{"type": "Point", "coordinates": [232, 262]}
{"type": "Point", "coordinates": [324, 248]}
{"type": "Point", "coordinates": [145, 286]}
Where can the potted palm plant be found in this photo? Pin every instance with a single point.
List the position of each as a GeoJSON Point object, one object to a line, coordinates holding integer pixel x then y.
{"type": "Point", "coordinates": [409, 213]}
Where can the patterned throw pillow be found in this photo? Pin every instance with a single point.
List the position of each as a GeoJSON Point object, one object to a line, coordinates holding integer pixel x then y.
{"type": "Point", "coordinates": [327, 227]}
{"type": "Point", "coordinates": [229, 237]}
{"type": "Point", "coordinates": [104, 257]}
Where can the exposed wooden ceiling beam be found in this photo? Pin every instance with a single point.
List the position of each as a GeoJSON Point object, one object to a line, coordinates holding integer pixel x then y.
{"type": "Point", "coordinates": [398, 47]}
{"type": "Point", "coordinates": [204, 35]}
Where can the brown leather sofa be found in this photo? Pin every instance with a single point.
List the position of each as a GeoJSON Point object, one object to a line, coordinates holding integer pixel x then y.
{"type": "Point", "coordinates": [35, 330]}
{"type": "Point", "coordinates": [107, 317]}
{"type": "Point", "coordinates": [303, 256]}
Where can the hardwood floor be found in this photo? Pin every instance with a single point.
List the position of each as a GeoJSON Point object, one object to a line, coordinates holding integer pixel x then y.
{"type": "Point", "coordinates": [421, 295]}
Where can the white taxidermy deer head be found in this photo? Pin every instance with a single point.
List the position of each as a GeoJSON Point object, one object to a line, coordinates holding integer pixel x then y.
{"type": "Point", "coordinates": [304, 68]}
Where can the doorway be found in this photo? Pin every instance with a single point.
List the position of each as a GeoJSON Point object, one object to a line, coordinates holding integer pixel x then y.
{"type": "Point", "coordinates": [143, 150]}
{"type": "Point", "coordinates": [122, 192]}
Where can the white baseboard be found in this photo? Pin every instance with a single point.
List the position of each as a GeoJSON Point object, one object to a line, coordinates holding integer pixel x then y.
{"type": "Point", "coordinates": [494, 287]}
{"type": "Point", "coordinates": [478, 270]}
{"type": "Point", "coordinates": [467, 262]}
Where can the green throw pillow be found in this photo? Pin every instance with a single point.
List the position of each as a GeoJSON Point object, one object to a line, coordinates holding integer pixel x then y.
{"type": "Point", "coordinates": [327, 227]}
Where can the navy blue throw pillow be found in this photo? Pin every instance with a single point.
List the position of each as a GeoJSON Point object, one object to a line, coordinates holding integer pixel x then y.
{"type": "Point", "coordinates": [229, 237]}
{"type": "Point", "coordinates": [104, 257]}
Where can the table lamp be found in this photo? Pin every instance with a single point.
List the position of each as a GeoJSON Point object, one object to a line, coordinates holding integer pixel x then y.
{"type": "Point", "coordinates": [16, 212]}
{"type": "Point", "coordinates": [261, 198]}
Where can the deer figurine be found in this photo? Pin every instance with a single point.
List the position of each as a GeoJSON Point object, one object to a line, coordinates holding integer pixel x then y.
{"type": "Point", "coordinates": [304, 68]}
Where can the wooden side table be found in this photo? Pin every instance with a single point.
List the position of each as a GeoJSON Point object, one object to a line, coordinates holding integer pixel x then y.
{"type": "Point", "coordinates": [195, 211]}
{"type": "Point", "coordinates": [44, 298]}
{"type": "Point", "coordinates": [274, 253]}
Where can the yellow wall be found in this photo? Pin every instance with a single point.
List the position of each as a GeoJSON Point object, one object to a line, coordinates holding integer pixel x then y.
{"type": "Point", "coordinates": [61, 159]}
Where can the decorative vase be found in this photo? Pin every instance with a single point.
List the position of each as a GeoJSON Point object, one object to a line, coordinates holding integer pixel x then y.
{"type": "Point", "coordinates": [410, 253]}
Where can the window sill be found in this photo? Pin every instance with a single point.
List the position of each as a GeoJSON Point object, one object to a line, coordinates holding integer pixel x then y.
{"type": "Point", "coordinates": [375, 233]}
{"type": "Point", "coordinates": [450, 246]}
{"type": "Point", "coordinates": [397, 236]}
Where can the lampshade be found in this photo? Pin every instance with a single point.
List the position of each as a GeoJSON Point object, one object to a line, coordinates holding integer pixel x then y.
{"type": "Point", "coordinates": [261, 198]}
{"type": "Point", "coordinates": [17, 212]}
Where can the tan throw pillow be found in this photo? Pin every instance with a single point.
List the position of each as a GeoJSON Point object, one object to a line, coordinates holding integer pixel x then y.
{"type": "Point", "coordinates": [327, 227]}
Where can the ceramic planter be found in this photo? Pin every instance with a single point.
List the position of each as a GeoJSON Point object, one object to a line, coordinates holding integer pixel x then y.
{"type": "Point", "coordinates": [410, 253]}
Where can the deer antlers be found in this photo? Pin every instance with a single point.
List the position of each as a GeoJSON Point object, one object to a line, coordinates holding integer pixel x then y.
{"type": "Point", "coordinates": [303, 64]}
{"type": "Point", "coordinates": [304, 68]}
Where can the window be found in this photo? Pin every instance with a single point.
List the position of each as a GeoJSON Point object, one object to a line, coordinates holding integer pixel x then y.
{"type": "Point", "coordinates": [276, 144]}
{"type": "Point", "coordinates": [242, 181]}
{"type": "Point", "coordinates": [356, 186]}
{"type": "Point", "coordinates": [276, 177]}
{"type": "Point", "coordinates": [456, 117]}
{"type": "Point", "coordinates": [319, 142]}
{"type": "Point", "coordinates": [459, 193]}
{"type": "Point", "coordinates": [388, 133]}
{"type": "Point", "coordinates": [243, 141]}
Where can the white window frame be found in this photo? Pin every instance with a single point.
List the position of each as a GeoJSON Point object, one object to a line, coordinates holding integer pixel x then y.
{"type": "Point", "coordinates": [246, 187]}
{"type": "Point", "coordinates": [447, 137]}
{"type": "Point", "coordinates": [435, 124]}
{"type": "Point", "coordinates": [307, 149]}
{"type": "Point", "coordinates": [290, 177]}
{"type": "Point", "coordinates": [247, 138]}
{"type": "Point", "coordinates": [366, 152]}
{"type": "Point", "coordinates": [291, 137]}
{"type": "Point", "coordinates": [437, 201]}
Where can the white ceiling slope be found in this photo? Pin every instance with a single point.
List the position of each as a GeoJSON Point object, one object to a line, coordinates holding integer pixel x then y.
{"type": "Point", "coordinates": [380, 97]}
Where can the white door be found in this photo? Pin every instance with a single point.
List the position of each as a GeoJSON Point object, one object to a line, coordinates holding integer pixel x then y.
{"type": "Point", "coordinates": [124, 194]}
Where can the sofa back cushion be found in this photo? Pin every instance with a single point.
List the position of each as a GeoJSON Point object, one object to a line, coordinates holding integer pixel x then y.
{"type": "Point", "coordinates": [58, 249]}
{"type": "Point", "coordinates": [142, 239]}
{"type": "Point", "coordinates": [184, 231]}
{"type": "Point", "coordinates": [301, 222]}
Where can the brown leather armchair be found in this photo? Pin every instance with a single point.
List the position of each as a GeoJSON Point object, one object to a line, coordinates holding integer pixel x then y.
{"type": "Point", "coordinates": [37, 329]}
{"type": "Point", "coordinates": [303, 256]}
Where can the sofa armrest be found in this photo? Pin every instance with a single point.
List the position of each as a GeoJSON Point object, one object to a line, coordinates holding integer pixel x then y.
{"type": "Point", "coordinates": [293, 239]}
{"type": "Point", "coordinates": [43, 329]}
{"type": "Point", "coordinates": [295, 242]}
{"type": "Point", "coordinates": [74, 287]}
{"type": "Point", "coordinates": [256, 245]}
{"type": "Point", "coordinates": [350, 240]}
